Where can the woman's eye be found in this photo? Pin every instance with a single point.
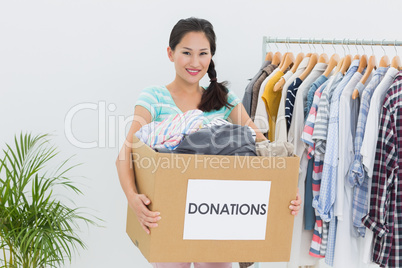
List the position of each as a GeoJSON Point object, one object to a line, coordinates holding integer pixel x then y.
{"type": "Point", "coordinates": [186, 53]}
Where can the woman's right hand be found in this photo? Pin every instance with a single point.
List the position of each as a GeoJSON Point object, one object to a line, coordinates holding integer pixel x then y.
{"type": "Point", "coordinates": [148, 219]}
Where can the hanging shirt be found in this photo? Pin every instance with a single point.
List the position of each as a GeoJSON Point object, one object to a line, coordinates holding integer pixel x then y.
{"type": "Point", "coordinates": [357, 176]}
{"type": "Point", "coordinates": [371, 132]}
{"type": "Point", "coordinates": [385, 215]}
{"type": "Point", "coordinates": [290, 99]}
{"type": "Point", "coordinates": [317, 169]}
{"type": "Point", "coordinates": [281, 131]}
{"type": "Point", "coordinates": [159, 102]}
{"type": "Point", "coordinates": [310, 95]}
{"type": "Point", "coordinates": [330, 170]}
{"type": "Point", "coordinates": [321, 122]}
{"type": "Point", "coordinates": [248, 93]}
{"type": "Point", "coordinates": [271, 100]}
{"type": "Point", "coordinates": [344, 152]}
{"type": "Point", "coordinates": [257, 85]}
{"type": "Point", "coordinates": [303, 236]}
{"type": "Point", "coordinates": [261, 115]}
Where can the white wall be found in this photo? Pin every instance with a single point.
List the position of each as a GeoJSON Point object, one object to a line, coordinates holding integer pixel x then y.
{"type": "Point", "coordinates": [55, 55]}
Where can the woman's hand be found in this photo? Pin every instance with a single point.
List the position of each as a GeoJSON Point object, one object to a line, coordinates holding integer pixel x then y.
{"type": "Point", "coordinates": [148, 219]}
{"type": "Point", "coordinates": [295, 204]}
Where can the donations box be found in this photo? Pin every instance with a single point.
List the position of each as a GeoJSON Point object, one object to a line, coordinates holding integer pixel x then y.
{"type": "Point", "coordinates": [215, 208]}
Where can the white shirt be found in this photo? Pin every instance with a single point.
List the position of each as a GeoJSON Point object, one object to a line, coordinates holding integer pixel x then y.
{"type": "Point", "coordinates": [302, 238]}
{"type": "Point", "coordinates": [343, 149]}
{"type": "Point", "coordinates": [261, 114]}
{"type": "Point", "coordinates": [371, 133]}
{"type": "Point", "coordinates": [281, 132]}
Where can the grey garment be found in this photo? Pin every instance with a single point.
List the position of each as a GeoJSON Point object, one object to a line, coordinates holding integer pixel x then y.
{"type": "Point", "coordinates": [218, 140]}
{"type": "Point", "coordinates": [257, 85]}
{"type": "Point", "coordinates": [274, 149]}
{"type": "Point", "coordinates": [248, 93]}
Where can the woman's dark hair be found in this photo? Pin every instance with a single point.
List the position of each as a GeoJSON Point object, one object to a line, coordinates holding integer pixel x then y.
{"type": "Point", "coordinates": [215, 97]}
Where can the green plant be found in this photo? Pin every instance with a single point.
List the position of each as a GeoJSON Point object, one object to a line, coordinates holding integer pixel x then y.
{"type": "Point", "coordinates": [36, 228]}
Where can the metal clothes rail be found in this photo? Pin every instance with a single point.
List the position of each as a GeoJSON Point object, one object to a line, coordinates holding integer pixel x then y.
{"type": "Point", "coordinates": [313, 41]}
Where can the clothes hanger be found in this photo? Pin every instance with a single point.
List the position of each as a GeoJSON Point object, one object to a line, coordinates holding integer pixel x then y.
{"type": "Point", "coordinates": [346, 61]}
{"type": "Point", "coordinates": [276, 60]}
{"type": "Point", "coordinates": [308, 43]}
{"type": "Point", "coordinates": [333, 61]}
{"type": "Point", "coordinates": [370, 66]}
{"type": "Point", "coordinates": [363, 60]}
{"type": "Point", "coordinates": [282, 61]}
{"type": "Point", "coordinates": [299, 59]}
{"type": "Point", "coordinates": [312, 62]}
{"type": "Point", "coordinates": [279, 85]}
{"type": "Point", "coordinates": [323, 58]}
{"type": "Point", "coordinates": [396, 61]}
{"type": "Point", "coordinates": [269, 56]}
{"type": "Point", "coordinates": [287, 62]}
{"type": "Point", "coordinates": [384, 61]}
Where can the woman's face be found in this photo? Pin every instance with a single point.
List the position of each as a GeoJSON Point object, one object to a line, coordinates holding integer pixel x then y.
{"type": "Point", "coordinates": [191, 57]}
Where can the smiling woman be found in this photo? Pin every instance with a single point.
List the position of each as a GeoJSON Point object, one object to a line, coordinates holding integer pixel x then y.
{"type": "Point", "coordinates": [191, 48]}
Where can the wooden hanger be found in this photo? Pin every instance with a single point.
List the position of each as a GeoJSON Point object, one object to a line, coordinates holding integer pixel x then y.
{"type": "Point", "coordinates": [286, 63]}
{"type": "Point", "coordinates": [279, 85]}
{"type": "Point", "coordinates": [356, 57]}
{"type": "Point", "coordinates": [370, 66]}
{"type": "Point", "coordinates": [339, 66]}
{"type": "Point", "coordinates": [333, 61]}
{"type": "Point", "coordinates": [362, 64]}
{"type": "Point", "coordinates": [346, 63]}
{"type": "Point", "coordinates": [312, 62]}
{"type": "Point", "coordinates": [296, 64]}
{"type": "Point", "coordinates": [290, 58]}
{"type": "Point", "coordinates": [384, 61]}
{"type": "Point", "coordinates": [283, 60]}
{"type": "Point", "coordinates": [396, 62]}
{"type": "Point", "coordinates": [269, 56]}
{"type": "Point", "coordinates": [277, 58]}
{"type": "Point", "coordinates": [323, 58]}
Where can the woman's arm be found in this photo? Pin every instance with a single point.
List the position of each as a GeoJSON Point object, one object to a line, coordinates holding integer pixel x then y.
{"type": "Point", "coordinates": [239, 116]}
{"type": "Point", "coordinates": [137, 202]}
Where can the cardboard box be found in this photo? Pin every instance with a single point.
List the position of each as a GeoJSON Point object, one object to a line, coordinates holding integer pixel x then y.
{"type": "Point", "coordinates": [166, 178]}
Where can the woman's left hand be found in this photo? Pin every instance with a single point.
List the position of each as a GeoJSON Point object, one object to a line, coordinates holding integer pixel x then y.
{"type": "Point", "coordinates": [295, 204]}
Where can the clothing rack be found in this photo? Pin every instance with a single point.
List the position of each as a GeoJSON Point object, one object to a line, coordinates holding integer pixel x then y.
{"type": "Point", "coordinates": [312, 41]}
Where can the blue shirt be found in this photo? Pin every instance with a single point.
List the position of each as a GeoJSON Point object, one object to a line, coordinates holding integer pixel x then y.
{"type": "Point", "coordinates": [310, 95]}
{"type": "Point", "coordinates": [357, 176]}
{"type": "Point", "coordinates": [330, 169]}
{"type": "Point", "coordinates": [290, 100]}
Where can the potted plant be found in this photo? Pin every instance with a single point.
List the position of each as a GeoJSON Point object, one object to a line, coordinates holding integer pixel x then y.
{"type": "Point", "coordinates": [37, 228]}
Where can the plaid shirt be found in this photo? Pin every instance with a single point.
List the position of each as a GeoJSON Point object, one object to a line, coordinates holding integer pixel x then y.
{"type": "Point", "coordinates": [385, 215]}
{"type": "Point", "coordinates": [357, 174]}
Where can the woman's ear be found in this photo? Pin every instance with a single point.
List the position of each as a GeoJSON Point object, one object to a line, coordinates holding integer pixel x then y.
{"type": "Point", "coordinates": [170, 54]}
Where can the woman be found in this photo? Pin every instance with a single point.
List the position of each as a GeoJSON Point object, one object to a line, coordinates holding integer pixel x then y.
{"type": "Point", "coordinates": [191, 47]}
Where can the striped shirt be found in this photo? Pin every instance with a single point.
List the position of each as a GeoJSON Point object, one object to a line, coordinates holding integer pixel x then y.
{"type": "Point", "coordinates": [159, 102]}
{"type": "Point", "coordinates": [310, 95]}
{"type": "Point", "coordinates": [290, 100]}
{"type": "Point", "coordinates": [317, 169]}
{"type": "Point", "coordinates": [329, 173]}
{"type": "Point", "coordinates": [321, 123]}
{"type": "Point", "coordinates": [385, 215]}
{"type": "Point", "coordinates": [357, 176]}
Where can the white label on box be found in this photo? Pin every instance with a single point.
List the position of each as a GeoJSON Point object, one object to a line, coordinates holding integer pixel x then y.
{"type": "Point", "coordinates": [226, 210]}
